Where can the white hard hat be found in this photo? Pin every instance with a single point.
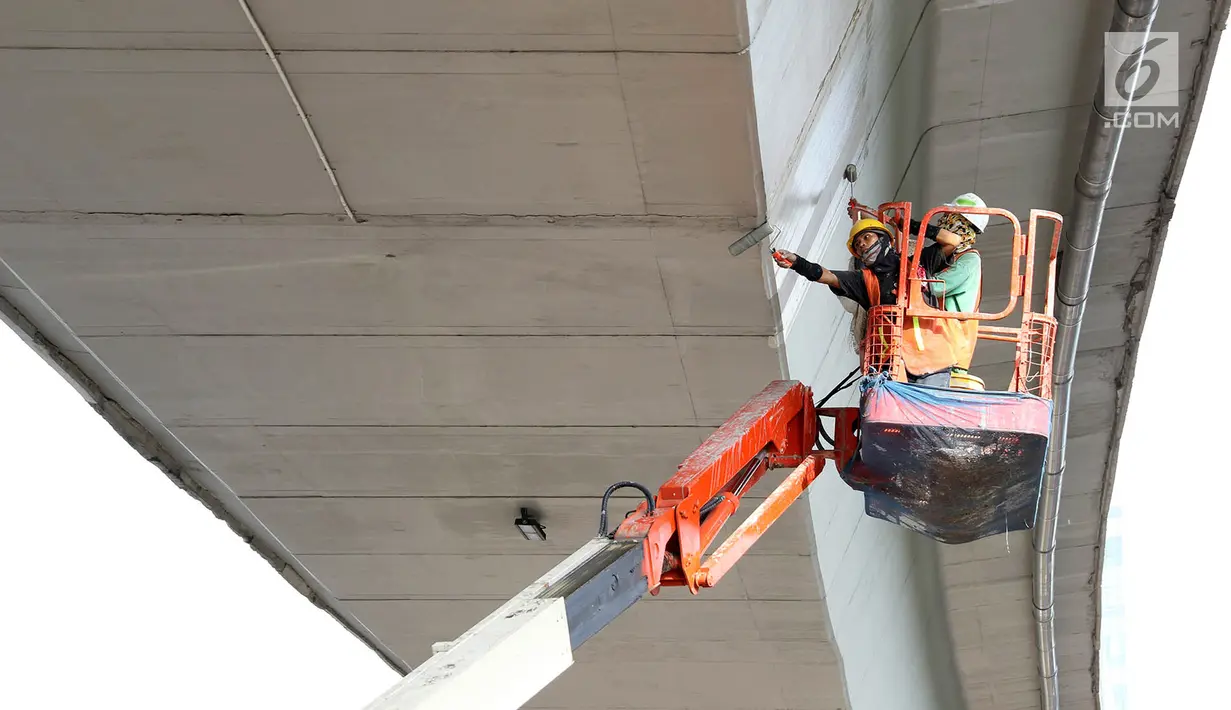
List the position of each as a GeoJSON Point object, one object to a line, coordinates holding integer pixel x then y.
{"type": "Point", "coordinates": [970, 199]}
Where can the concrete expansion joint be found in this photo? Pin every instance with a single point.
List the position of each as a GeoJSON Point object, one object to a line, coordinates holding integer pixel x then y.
{"type": "Point", "coordinates": [692, 332]}
{"type": "Point", "coordinates": [295, 580]}
{"type": "Point", "coordinates": [456, 219]}
{"type": "Point", "coordinates": [237, 49]}
{"type": "Point", "coordinates": [1166, 208]}
{"type": "Point", "coordinates": [1136, 287]}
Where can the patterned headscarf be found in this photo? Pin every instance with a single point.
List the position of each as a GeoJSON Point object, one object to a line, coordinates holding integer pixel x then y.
{"type": "Point", "coordinates": [962, 227]}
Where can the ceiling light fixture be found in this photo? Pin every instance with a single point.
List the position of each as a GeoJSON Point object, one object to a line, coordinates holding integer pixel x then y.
{"type": "Point", "coordinates": [529, 526]}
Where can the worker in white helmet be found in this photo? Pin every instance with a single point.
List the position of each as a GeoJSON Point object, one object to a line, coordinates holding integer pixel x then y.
{"type": "Point", "coordinates": [956, 270]}
{"type": "Point", "coordinates": [952, 260]}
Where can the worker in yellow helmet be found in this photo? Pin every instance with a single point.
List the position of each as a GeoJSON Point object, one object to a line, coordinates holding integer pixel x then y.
{"type": "Point", "coordinates": [875, 284]}
{"type": "Point", "coordinates": [952, 264]}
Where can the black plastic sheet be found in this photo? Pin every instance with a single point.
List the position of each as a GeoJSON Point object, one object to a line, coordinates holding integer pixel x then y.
{"type": "Point", "coordinates": [954, 465]}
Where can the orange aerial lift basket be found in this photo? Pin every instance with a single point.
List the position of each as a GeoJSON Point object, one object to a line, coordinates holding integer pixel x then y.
{"type": "Point", "coordinates": [957, 463]}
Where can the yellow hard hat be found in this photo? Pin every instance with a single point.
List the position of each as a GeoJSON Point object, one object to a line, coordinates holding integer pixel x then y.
{"type": "Point", "coordinates": [865, 225]}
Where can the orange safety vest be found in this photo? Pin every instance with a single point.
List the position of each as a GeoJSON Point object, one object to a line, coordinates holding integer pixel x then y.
{"type": "Point", "coordinates": [931, 344]}
{"type": "Point", "coordinates": [873, 285]}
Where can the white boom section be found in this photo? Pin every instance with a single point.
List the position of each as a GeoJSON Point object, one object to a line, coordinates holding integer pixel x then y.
{"type": "Point", "coordinates": [502, 661]}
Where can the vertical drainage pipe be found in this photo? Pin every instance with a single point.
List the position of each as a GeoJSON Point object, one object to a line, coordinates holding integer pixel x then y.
{"type": "Point", "coordinates": [1093, 183]}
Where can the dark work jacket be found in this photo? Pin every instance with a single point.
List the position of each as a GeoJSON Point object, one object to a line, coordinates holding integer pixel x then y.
{"type": "Point", "coordinates": [850, 283]}
{"type": "Point", "coordinates": [931, 233]}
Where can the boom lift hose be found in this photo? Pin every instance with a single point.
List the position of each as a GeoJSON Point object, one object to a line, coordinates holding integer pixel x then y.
{"type": "Point", "coordinates": [851, 378]}
{"type": "Point", "coordinates": [602, 516]}
{"type": "Point", "coordinates": [745, 475]}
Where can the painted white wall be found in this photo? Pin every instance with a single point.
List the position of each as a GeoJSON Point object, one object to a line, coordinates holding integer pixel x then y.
{"type": "Point", "coordinates": [881, 584]}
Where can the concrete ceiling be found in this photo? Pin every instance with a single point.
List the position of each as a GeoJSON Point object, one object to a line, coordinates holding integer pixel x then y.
{"type": "Point", "coordinates": [539, 300]}
{"type": "Point", "coordinates": [382, 398]}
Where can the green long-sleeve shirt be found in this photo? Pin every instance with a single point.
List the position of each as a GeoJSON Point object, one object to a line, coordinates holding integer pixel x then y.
{"type": "Point", "coordinates": [960, 281]}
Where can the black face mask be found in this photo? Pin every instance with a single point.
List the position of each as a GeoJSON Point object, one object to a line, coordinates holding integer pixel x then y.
{"type": "Point", "coordinates": [881, 257]}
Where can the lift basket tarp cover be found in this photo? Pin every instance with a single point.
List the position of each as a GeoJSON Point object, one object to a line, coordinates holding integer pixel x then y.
{"type": "Point", "coordinates": [955, 465]}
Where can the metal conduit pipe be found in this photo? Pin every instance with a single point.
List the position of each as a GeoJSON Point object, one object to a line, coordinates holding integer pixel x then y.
{"type": "Point", "coordinates": [1093, 183]}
